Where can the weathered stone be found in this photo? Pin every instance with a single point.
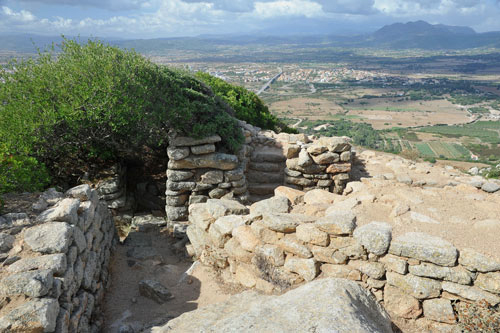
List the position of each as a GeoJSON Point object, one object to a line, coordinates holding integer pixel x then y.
{"type": "Point", "coordinates": [339, 168]}
{"type": "Point", "coordinates": [81, 192]}
{"type": "Point", "coordinates": [280, 222]}
{"type": "Point", "coordinates": [304, 159]}
{"type": "Point", "coordinates": [195, 199]}
{"type": "Point", "coordinates": [295, 196]}
{"type": "Point", "coordinates": [179, 175]}
{"type": "Point", "coordinates": [326, 158]}
{"type": "Point", "coordinates": [337, 223]}
{"type": "Point", "coordinates": [109, 186]}
{"type": "Point", "coordinates": [299, 181]}
{"type": "Point", "coordinates": [291, 244]}
{"type": "Point", "coordinates": [65, 210]}
{"type": "Point", "coordinates": [318, 196]}
{"type": "Point", "coordinates": [325, 305]}
{"type": "Point", "coordinates": [340, 271]}
{"type": "Point", "coordinates": [187, 141]}
{"type": "Point", "coordinates": [489, 282]}
{"type": "Point", "coordinates": [404, 178]}
{"type": "Point", "coordinates": [374, 270]}
{"type": "Point", "coordinates": [245, 275]}
{"type": "Point", "coordinates": [212, 177]}
{"type": "Point", "coordinates": [265, 167]}
{"type": "Point", "coordinates": [271, 253]}
{"type": "Point", "coordinates": [38, 315]}
{"type": "Point", "coordinates": [490, 187]}
{"type": "Point", "coordinates": [176, 213]}
{"type": "Point", "coordinates": [176, 201]}
{"type": "Point", "coordinates": [203, 149]}
{"type": "Point", "coordinates": [234, 175]}
{"type": "Point", "coordinates": [246, 237]}
{"type": "Point", "coordinates": [306, 268]}
{"type": "Point", "coordinates": [180, 186]}
{"type": "Point", "coordinates": [154, 290]}
{"type": "Point", "coordinates": [6, 242]}
{"type": "Point", "coordinates": [199, 216]}
{"type": "Point", "coordinates": [420, 288]}
{"type": "Point", "coordinates": [452, 274]}
{"type": "Point", "coordinates": [254, 176]}
{"type": "Point", "coordinates": [218, 208]}
{"type": "Point", "coordinates": [400, 209]}
{"type": "Point", "coordinates": [374, 283]}
{"type": "Point", "coordinates": [345, 205]}
{"type": "Point", "coordinates": [425, 247]}
{"type": "Point", "coordinates": [53, 262]}
{"type": "Point", "coordinates": [470, 293]}
{"type": "Point", "coordinates": [177, 153]}
{"type": "Point", "coordinates": [90, 269]}
{"type": "Point", "coordinates": [345, 156]}
{"type": "Point", "coordinates": [375, 237]}
{"type": "Point", "coordinates": [316, 149]}
{"type": "Point", "coordinates": [400, 303]}
{"type": "Point", "coordinates": [395, 264]}
{"type": "Point", "coordinates": [262, 232]}
{"type": "Point", "coordinates": [308, 233]}
{"type": "Point", "coordinates": [212, 161]}
{"type": "Point", "coordinates": [51, 237]}
{"type": "Point", "coordinates": [277, 204]}
{"type": "Point", "coordinates": [292, 173]}
{"type": "Point", "coordinates": [439, 310]}
{"type": "Point", "coordinates": [292, 151]}
{"type": "Point", "coordinates": [32, 283]}
{"type": "Point", "coordinates": [476, 261]}
{"type": "Point", "coordinates": [328, 255]}
{"type": "Point", "coordinates": [198, 238]}
{"type": "Point", "coordinates": [293, 164]}
{"type": "Point", "coordinates": [234, 250]}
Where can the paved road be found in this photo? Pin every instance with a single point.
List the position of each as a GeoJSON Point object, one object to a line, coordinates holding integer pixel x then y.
{"type": "Point", "coordinates": [268, 83]}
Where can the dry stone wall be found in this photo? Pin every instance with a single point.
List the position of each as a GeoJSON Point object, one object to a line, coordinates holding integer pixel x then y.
{"type": "Point", "coordinates": [55, 263]}
{"type": "Point", "coordinates": [267, 248]}
{"type": "Point", "coordinates": [197, 171]}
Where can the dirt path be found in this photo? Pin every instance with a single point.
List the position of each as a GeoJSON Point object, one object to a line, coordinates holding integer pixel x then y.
{"type": "Point", "coordinates": [152, 256]}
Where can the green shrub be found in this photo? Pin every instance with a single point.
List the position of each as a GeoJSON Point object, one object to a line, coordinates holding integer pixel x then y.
{"type": "Point", "coordinates": [246, 104]}
{"type": "Point", "coordinates": [91, 104]}
{"type": "Point", "coordinates": [21, 173]}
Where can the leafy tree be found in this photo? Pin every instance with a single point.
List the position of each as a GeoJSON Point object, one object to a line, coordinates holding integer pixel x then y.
{"type": "Point", "coordinates": [246, 104]}
{"type": "Point", "coordinates": [91, 104]}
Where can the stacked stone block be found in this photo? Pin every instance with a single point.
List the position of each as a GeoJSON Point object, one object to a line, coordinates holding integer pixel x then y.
{"type": "Point", "coordinates": [414, 275]}
{"type": "Point", "coordinates": [197, 172]}
{"type": "Point", "coordinates": [323, 164]}
{"type": "Point", "coordinates": [57, 263]}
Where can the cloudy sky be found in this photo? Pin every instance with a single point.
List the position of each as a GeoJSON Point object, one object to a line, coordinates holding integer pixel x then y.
{"type": "Point", "coordinates": [168, 18]}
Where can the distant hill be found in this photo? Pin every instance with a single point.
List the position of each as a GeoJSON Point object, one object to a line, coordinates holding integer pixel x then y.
{"type": "Point", "coordinates": [411, 35]}
{"type": "Point", "coordinates": [423, 35]}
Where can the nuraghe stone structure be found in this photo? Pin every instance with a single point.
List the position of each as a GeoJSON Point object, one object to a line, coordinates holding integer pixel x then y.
{"type": "Point", "coordinates": [198, 172]}
{"type": "Point", "coordinates": [55, 263]}
{"type": "Point", "coordinates": [266, 247]}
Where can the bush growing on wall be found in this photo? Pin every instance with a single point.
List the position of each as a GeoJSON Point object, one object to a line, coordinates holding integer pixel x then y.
{"type": "Point", "coordinates": [92, 103]}
{"type": "Point", "coordinates": [246, 104]}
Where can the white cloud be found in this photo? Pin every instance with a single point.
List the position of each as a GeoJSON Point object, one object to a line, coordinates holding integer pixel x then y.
{"type": "Point", "coordinates": [278, 8]}
{"type": "Point", "coordinates": [21, 16]}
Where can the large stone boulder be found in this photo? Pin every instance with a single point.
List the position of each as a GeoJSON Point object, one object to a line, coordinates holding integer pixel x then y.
{"type": "Point", "coordinates": [325, 305]}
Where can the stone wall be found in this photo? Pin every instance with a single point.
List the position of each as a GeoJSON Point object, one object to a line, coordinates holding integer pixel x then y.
{"type": "Point", "coordinates": [55, 263]}
{"type": "Point", "coordinates": [197, 171]}
{"type": "Point", "coordinates": [267, 248]}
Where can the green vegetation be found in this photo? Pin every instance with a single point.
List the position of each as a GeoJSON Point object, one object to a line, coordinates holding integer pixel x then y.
{"type": "Point", "coordinates": [487, 131]}
{"type": "Point", "coordinates": [247, 105]}
{"type": "Point", "coordinates": [94, 104]}
{"type": "Point", "coordinates": [362, 134]}
{"type": "Point", "coordinates": [479, 110]}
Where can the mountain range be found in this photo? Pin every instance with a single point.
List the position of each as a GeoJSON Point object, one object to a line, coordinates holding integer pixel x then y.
{"type": "Point", "coordinates": [397, 36]}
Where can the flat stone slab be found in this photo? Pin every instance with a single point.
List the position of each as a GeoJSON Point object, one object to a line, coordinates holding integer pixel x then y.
{"type": "Point", "coordinates": [33, 283]}
{"type": "Point", "coordinates": [57, 263]}
{"type": "Point", "coordinates": [218, 208]}
{"type": "Point", "coordinates": [324, 305]}
{"type": "Point", "coordinates": [51, 237]}
{"type": "Point", "coordinates": [154, 290]}
{"type": "Point", "coordinates": [38, 315]}
{"type": "Point", "coordinates": [375, 237]}
{"type": "Point", "coordinates": [212, 161]}
{"type": "Point", "coordinates": [187, 141]}
{"type": "Point", "coordinates": [418, 287]}
{"type": "Point", "coordinates": [424, 247]}
{"type": "Point", "coordinates": [476, 261]}
{"type": "Point", "coordinates": [490, 187]}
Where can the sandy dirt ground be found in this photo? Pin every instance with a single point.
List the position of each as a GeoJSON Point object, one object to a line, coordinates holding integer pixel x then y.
{"type": "Point", "coordinates": [124, 304]}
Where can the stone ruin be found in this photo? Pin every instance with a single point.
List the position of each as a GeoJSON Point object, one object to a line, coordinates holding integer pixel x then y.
{"type": "Point", "coordinates": [197, 172]}
{"type": "Point", "coordinates": [55, 263]}
{"type": "Point", "coordinates": [55, 260]}
{"type": "Point", "coordinates": [268, 248]}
